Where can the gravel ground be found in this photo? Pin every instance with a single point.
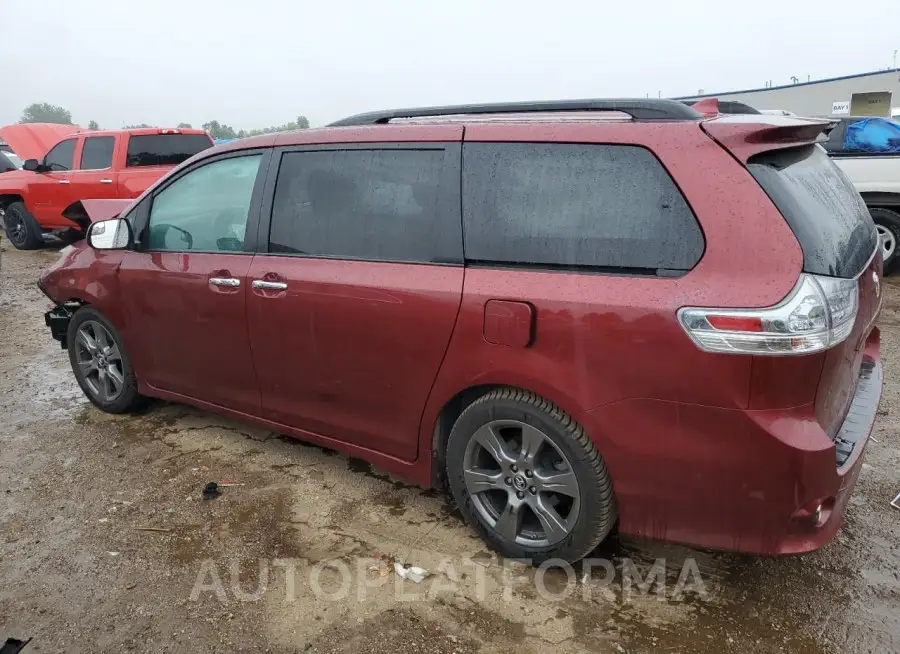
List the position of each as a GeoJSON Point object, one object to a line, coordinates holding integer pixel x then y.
{"type": "Point", "coordinates": [79, 572]}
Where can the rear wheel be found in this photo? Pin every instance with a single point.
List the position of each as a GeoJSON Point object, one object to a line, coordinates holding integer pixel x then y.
{"type": "Point", "coordinates": [100, 363]}
{"type": "Point", "coordinates": [528, 479]}
{"type": "Point", "coordinates": [22, 229]}
{"type": "Point", "coordinates": [887, 223]}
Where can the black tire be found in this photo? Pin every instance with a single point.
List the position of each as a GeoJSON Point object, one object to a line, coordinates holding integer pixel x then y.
{"type": "Point", "coordinates": [889, 220]}
{"type": "Point", "coordinates": [22, 229]}
{"type": "Point", "coordinates": [127, 399]}
{"type": "Point", "coordinates": [597, 510]}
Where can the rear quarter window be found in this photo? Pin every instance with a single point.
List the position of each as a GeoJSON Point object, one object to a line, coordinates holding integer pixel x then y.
{"type": "Point", "coordinates": [824, 210]}
{"type": "Point", "coordinates": [604, 207]}
{"type": "Point", "coordinates": [164, 149]}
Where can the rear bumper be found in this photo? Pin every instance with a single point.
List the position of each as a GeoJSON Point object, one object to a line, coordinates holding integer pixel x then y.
{"type": "Point", "coordinates": [759, 482]}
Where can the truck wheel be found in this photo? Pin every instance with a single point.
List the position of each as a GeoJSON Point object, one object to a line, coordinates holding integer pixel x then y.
{"type": "Point", "coordinates": [528, 479]}
{"type": "Point", "coordinates": [22, 229]}
{"type": "Point", "coordinates": [887, 223]}
{"type": "Point", "coordinates": [101, 365]}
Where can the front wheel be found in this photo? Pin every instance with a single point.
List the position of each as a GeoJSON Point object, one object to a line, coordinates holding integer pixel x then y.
{"type": "Point", "coordinates": [887, 223]}
{"type": "Point", "coordinates": [100, 363]}
{"type": "Point", "coordinates": [22, 229]}
{"type": "Point", "coordinates": [528, 479]}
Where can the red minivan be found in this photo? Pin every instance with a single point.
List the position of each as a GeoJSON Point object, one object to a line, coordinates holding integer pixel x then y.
{"type": "Point", "coordinates": [575, 314]}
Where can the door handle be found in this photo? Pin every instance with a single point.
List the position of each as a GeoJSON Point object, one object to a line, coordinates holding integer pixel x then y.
{"type": "Point", "coordinates": [106, 181]}
{"type": "Point", "coordinates": [65, 181]}
{"type": "Point", "coordinates": [269, 286]}
{"type": "Point", "coordinates": [225, 281]}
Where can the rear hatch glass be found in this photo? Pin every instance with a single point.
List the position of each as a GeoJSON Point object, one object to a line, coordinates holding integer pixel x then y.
{"type": "Point", "coordinates": [826, 214]}
{"type": "Point", "coordinates": [165, 149]}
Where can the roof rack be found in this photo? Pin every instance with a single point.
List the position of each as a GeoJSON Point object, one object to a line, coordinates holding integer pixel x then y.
{"type": "Point", "coordinates": [638, 109]}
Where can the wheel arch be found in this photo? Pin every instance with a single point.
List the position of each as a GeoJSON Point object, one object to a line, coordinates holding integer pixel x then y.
{"type": "Point", "coordinates": [453, 407]}
{"type": "Point", "coordinates": [881, 200]}
{"type": "Point", "coordinates": [7, 199]}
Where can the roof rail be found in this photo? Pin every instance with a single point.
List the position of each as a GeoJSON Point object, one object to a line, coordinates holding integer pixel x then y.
{"type": "Point", "coordinates": [638, 109]}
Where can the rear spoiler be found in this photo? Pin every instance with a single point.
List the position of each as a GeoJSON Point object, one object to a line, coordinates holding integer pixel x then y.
{"type": "Point", "coordinates": [748, 135]}
{"type": "Point", "coordinates": [85, 212]}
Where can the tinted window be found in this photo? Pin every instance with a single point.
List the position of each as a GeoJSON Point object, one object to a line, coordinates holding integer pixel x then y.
{"type": "Point", "coordinates": [165, 149]}
{"type": "Point", "coordinates": [601, 206]}
{"type": "Point", "coordinates": [827, 215]}
{"type": "Point", "coordinates": [206, 209]}
{"type": "Point", "coordinates": [97, 152]}
{"type": "Point", "coordinates": [395, 205]}
{"type": "Point", "coordinates": [61, 155]}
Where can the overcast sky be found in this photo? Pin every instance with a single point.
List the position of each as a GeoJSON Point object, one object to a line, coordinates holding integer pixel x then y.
{"type": "Point", "coordinates": [255, 63]}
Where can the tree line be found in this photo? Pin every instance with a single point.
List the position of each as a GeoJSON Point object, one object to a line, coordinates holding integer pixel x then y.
{"type": "Point", "coordinates": [43, 112]}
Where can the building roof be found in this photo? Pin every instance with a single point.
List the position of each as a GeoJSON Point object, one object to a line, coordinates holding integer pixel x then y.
{"type": "Point", "coordinates": [789, 86]}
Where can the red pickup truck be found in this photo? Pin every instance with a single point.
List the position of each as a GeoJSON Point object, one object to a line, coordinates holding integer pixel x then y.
{"type": "Point", "coordinates": [64, 165]}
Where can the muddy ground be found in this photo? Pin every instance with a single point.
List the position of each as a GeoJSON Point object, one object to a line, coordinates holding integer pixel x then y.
{"type": "Point", "coordinates": [79, 574]}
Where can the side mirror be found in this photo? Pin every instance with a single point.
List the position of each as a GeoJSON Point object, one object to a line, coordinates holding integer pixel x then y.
{"type": "Point", "coordinates": [112, 234]}
{"type": "Point", "coordinates": [32, 165]}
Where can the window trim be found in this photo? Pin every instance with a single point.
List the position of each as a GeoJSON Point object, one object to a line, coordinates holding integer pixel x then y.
{"type": "Point", "coordinates": [452, 154]}
{"type": "Point", "coordinates": [144, 208]}
{"type": "Point", "coordinates": [74, 140]}
{"type": "Point", "coordinates": [112, 155]}
{"type": "Point", "coordinates": [586, 269]}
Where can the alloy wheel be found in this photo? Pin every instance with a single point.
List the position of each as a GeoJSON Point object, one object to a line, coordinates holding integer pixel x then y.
{"type": "Point", "coordinates": [888, 241]}
{"type": "Point", "coordinates": [99, 361]}
{"type": "Point", "coordinates": [521, 483]}
{"type": "Point", "coordinates": [15, 228]}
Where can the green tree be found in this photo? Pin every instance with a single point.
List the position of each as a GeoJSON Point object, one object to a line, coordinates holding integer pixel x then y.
{"type": "Point", "coordinates": [219, 131]}
{"type": "Point", "coordinates": [93, 125]}
{"type": "Point", "coordinates": [44, 112]}
{"type": "Point", "coordinates": [184, 126]}
{"type": "Point", "coordinates": [302, 122]}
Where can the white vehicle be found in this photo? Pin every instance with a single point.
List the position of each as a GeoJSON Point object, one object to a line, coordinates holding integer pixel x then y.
{"type": "Point", "coordinates": [877, 178]}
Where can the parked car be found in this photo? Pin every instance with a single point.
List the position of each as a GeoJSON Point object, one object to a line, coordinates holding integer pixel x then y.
{"type": "Point", "coordinates": [42, 198]}
{"type": "Point", "coordinates": [576, 314]}
{"type": "Point", "coordinates": [9, 162]}
{"type": "Point", "coordinates": [876, 175]}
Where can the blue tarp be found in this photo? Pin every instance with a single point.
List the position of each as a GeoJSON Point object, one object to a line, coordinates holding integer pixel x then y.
{"type": "Point", "coordinates": [873, 135]}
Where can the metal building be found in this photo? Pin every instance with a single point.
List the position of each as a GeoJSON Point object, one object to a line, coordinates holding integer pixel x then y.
{"type": "Point", "coordinates": [865, 94]}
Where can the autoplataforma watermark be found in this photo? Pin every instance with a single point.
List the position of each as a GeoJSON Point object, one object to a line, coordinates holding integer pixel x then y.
{"type": "Point", "coordinates": [340, 580]}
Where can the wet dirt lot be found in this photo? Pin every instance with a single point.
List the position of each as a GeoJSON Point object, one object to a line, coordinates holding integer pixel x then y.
{"type": "Point", "coordinates": [78, 572]}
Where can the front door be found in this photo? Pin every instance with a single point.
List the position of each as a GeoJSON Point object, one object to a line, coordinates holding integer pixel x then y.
{"type": "Point", "coordinates": [48, 190]}
{"type": "Point", "coordinates": [352, 308]}
{"type": "Point", "coordinates": [184, 289]}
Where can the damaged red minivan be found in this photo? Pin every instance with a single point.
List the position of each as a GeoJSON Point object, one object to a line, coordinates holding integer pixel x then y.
{"type": "Point", "coordinates": [577, 315]}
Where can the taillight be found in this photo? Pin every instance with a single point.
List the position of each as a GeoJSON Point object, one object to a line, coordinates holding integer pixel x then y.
{"type": "Point", "coordinates": [817, 314]}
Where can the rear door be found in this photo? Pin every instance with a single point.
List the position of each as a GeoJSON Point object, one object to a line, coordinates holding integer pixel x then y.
{"type": "Point", "coordinates": [838, 239]}
{"type": "Point", "coordinates": [184, 289]}
{"type": "Point", "coordinates": [352, 307]}
{"type": "Point", "coordinates": [95, 178]}
{"type": "Point", "coordinates": [49, 189]}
